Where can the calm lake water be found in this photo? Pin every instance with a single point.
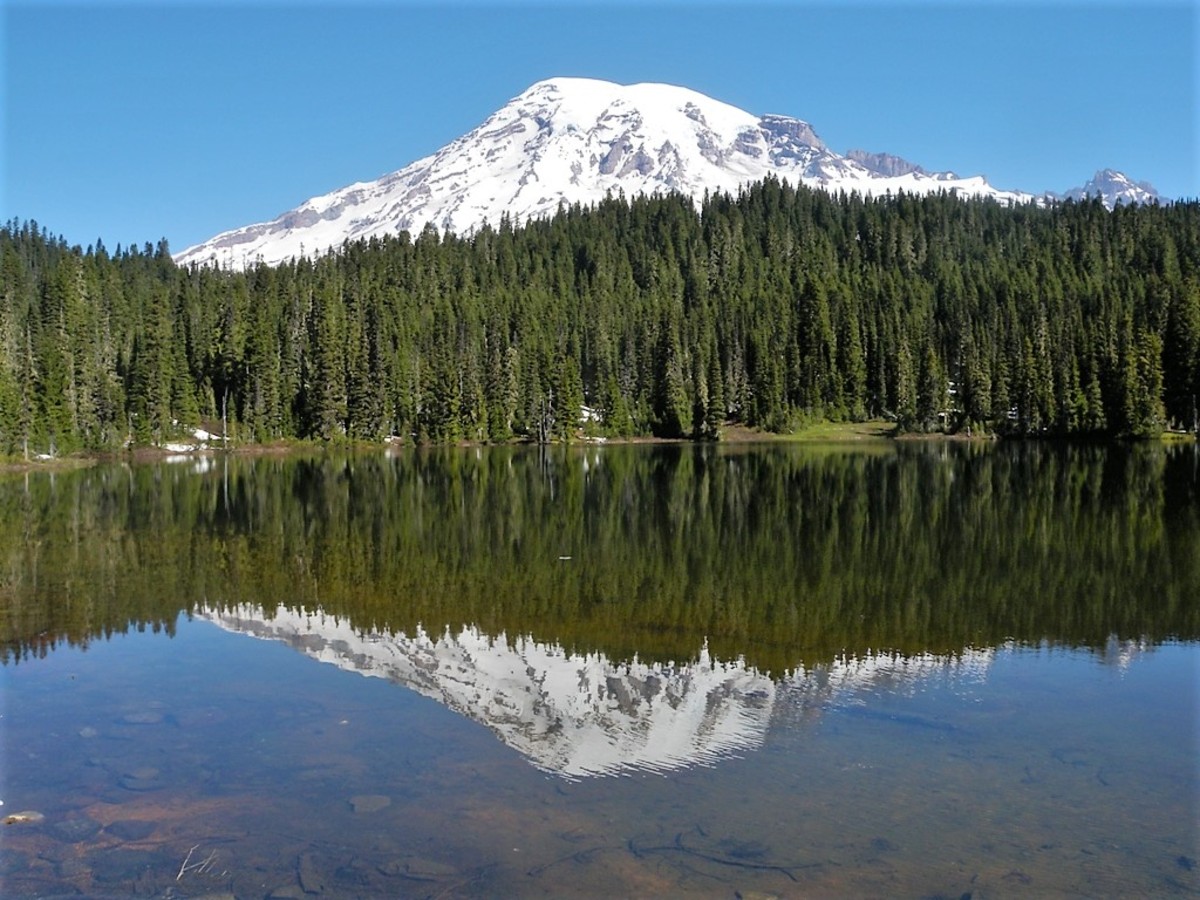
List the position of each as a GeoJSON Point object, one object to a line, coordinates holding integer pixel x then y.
{"type": "Point", "coordinates": [901, 671]}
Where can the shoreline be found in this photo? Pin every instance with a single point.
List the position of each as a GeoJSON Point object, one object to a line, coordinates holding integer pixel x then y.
{"type": "Point", "coordinates": [877, 432]}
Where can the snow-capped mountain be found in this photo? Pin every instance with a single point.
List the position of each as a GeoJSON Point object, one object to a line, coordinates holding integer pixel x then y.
{"type": "Point", "coordinates": [1114, 188]}
{"type": "Point", "coordinates": [576, 140]}
{"type": "Point", "coordinates": [582, 715]}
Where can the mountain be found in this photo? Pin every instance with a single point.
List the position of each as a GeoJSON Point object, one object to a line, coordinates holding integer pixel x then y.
{"type": "Point", "coordinates": [1114, 188]}
{"type": "Point", "coordinates": [576, 140]}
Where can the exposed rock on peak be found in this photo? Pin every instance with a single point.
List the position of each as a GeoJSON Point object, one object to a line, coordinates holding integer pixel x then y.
{"type": "Point", "coordinates": [885, 164]}
{"type": "Point", "coordinates": [785, 127]}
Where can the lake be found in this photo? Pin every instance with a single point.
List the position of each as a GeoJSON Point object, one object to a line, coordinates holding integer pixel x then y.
{"type": "Point", "coordinates": [901, 670]}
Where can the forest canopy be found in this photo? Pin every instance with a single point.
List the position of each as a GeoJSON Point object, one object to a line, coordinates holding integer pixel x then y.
{"type": "Point", "coordinates": [649, 316]}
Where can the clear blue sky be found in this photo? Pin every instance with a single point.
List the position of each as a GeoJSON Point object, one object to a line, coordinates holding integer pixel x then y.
{"type": "Point", "coordinates": [140, 120]}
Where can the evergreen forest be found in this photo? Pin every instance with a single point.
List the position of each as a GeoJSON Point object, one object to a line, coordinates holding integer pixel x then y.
{"type": "Point", "coordinates": [653, 316]}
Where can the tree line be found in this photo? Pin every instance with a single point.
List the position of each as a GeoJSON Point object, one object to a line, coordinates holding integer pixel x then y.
{"type": "Point", "coordinates": [649, 316]}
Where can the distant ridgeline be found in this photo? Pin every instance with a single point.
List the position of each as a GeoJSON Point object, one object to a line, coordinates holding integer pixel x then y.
{"type": "Point", "coordinates": [776, 556]}
{"type": "Point", "coordinates": [775, 307]}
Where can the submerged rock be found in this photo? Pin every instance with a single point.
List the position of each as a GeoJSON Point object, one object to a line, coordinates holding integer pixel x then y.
{"type": "Point", "coordinates": [417, 868]}
{"type": "Point", "coordinates": [145, 778]}
{"type": "Point", "coordinates": [309, 874]}
{"type": "Point", "coordinates": [25, 817]}
{"type": "Point", "coordinates": [74, 831]}
{"type": "Point", "coordinates": [368, 803]}
{"type": "Point", "coordinates": [131, 829]}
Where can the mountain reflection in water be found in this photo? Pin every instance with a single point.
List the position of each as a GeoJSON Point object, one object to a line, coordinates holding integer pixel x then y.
{"type": "Point", "coordinates": [580, 715]}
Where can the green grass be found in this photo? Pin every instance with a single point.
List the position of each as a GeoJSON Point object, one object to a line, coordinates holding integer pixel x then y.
{"type": "Point", "coordinates": [843, 432]}
{"type": "Point", "coordinates": [1177, 437]}
{"type": "Point", "coordinates": [815, 433]}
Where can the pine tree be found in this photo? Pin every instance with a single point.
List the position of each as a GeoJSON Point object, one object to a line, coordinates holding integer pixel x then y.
{"type": "Point", "coordinates": [931, 390]}
{"type": "Point", "coordinates": [1149, 417]}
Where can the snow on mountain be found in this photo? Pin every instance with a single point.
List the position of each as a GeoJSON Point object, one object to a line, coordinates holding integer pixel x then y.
{"type": "Point", "coordinates": [576, 140]}
{"type": "Point", "coordinates": [571, 140]}
{"type": "Point", "coordinates": [581, 715]}
{"type": "Point", "coordinates": [1114, 188]}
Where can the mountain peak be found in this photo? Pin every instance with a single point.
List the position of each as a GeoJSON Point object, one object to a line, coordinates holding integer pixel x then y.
{"type": "Point", "coordinates": [1114, 188]}
{"type": "Point", "coordinates": [577, 140]}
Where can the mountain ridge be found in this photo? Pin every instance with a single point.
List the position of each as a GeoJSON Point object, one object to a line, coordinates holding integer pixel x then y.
{"type": "Point", "coordinates": [578, 140]}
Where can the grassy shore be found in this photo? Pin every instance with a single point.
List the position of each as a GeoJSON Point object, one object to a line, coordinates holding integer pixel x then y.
{"type": "Point", "coordinates": [816, 433]}
{"type": "Point", "coordinates": [844, 432]}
